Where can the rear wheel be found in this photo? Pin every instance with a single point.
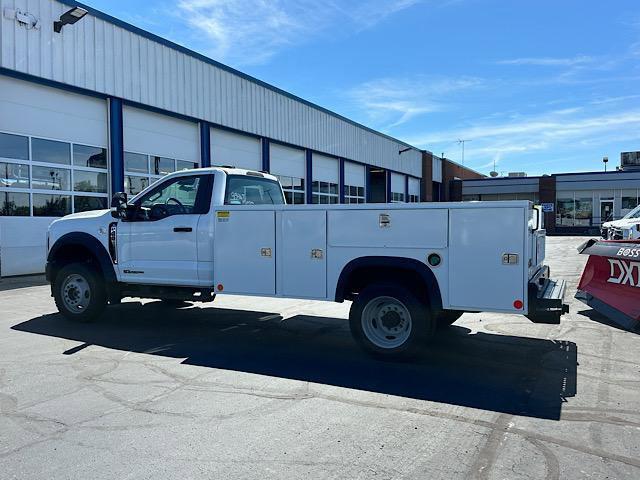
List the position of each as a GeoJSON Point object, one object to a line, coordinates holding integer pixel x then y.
{"type": "Point", "coordinates": [390, 321]}
{"type": "Point", "coordinates": [79, 292]}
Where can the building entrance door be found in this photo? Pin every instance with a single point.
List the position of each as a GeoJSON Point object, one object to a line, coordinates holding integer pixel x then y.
{"type": "Point", "coordinates": [606, 210]}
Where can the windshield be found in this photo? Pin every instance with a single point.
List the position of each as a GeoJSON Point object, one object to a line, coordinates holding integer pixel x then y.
{"type": "Point", "coordinates": [252, 190]}
{"type": "Point", "coordinates": [635, 213]}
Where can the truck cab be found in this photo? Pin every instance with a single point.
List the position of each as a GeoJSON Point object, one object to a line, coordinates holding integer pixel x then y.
{"type": "Point", "coordinates": [407, 268]}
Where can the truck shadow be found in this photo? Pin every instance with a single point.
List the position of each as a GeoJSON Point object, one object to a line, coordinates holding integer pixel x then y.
{"type": "Point", "coordinates": [507, 374]}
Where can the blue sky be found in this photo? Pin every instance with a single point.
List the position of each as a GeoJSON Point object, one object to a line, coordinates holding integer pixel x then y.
{"type": "Point", "coordinates": [540, 86]}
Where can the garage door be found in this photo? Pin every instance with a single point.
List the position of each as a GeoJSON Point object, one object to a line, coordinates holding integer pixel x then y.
{"type": "Point", "coordinates": [53, 161]}
{"type": "Point", "coordinates": [354, 182]}
{"type": "Point", "coordinates": [242, 151]}
{"type": "Point", "coordinates": [414, 189]}
{"type": "Point", "coordinates": [326, 179]}
{"type": "Point", "coordinates": [156, 145]}
{"type": "Point", "coordinates": [397, 187]}
{"type": "Point", "coordinates": [289, 165]}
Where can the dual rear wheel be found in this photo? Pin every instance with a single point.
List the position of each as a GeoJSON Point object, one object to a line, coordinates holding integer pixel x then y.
{"type": "Point", "coordinates": [389, 320]}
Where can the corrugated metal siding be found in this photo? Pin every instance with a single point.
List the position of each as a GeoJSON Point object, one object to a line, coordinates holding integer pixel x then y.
{"type": "Point", "coordinates": [100, 56]}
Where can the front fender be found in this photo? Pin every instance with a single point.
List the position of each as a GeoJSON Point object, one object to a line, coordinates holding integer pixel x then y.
{"type": "Point", "coordinates": [78, 241]}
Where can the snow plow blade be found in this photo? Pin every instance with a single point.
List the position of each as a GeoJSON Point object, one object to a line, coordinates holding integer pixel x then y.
{"type": "Point", "coordinates": [610, 282]}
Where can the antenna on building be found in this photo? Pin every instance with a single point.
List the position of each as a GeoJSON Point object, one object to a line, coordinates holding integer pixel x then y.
{"type": "Point", "coordinates": [462, 142]}
{"type": "Point", "coordinates": [493, 173]}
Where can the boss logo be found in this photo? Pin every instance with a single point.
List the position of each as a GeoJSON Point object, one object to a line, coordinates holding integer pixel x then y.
{"type": "Point", "coordinates": [624, 273]}
{"type": "Point", "coordinates": [629, 252]}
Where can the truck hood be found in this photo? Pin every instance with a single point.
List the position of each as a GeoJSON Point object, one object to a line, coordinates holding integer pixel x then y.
{"type": "Point", "coordinates": [622, 223]}
{"type": "Point", "coordinates": [89, 214]}
{"type": "Point", "coordinates": [94, 222]}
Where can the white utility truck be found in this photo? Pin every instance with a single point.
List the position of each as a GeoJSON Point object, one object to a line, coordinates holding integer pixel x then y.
{"type": "Point", "coordinates": [407, 268]}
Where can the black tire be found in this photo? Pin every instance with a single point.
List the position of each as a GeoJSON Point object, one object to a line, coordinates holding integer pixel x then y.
{"type": "Point", "coordinates": [371, 332]}
{"type": "Point", "coordinates": [72, 284]}
{"type": "Point", "coordinates": [446, 318]}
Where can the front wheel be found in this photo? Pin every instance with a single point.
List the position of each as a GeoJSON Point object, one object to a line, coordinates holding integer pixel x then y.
{"type": "Point", "coordinates": [390, 321]}
{"type": "Point", "coordinates": [79, 292]}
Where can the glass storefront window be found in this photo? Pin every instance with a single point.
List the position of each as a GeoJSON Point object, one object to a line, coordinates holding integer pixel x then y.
{"type": "Point", "coordinates": [51, 205]}
{"type": "Point", "coordinates": [14, 175]}
{"type": "Point", "coordinates": [353, 194]}
{"type": "Point", "coordinates": [182, 165]}
{"type": "Point", "coordinates": [324, 192]}
{"type": "Point", "coordinates": [50, 151]}
{"type": "Point", "coordinates": [14, 146]}
{"type": "Point", "coordinates": [293, 189]}
{"type": "Point", "coordinates": [83, 204]}
{"type": "Point", "coordinates": [583, 212]}
{"type": "Point", "coordinates": [51, 178]}
{"type": "Point", "coordinates": [134, 185]}
{"type": "Point", "coordinates": [48, 170]}
{"type": "Point", "coordinates": [85, 181]}
{"type": "Point", "coordinates": [85, 156]}
{"type": "Point", "coordinates": [629, 201]}
{"type": "Point", "coordinates": [14, 204]}
{"type": "Point", "coordinates": [136, 162]}
{"type": "Point", "coordinates": [162, 165]}
{"type": "Point", "coordinates": [565, 212]}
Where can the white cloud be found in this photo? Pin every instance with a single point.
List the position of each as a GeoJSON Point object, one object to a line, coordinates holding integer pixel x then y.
{"type": "Point", "coordinates": [549, 61]}
{"type": "Point", "coordinates": [244, 32]}
{"type": "Point", "coordinates": [550, 132]}
{"type": "Point", "coordinates": [390, 102]}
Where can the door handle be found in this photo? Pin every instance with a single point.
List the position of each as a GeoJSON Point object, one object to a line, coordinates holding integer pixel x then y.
{"type": "Point", "coordinates": [182, 229]}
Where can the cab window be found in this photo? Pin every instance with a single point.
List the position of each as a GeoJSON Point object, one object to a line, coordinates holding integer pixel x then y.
{"type": "Point", "coordinates": [252, 190]}
{"type": "Point", "coordinates": [177, 196]}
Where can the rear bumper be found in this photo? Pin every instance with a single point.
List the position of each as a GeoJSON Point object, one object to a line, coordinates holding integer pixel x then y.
{"type": "Point", "coordinates": [546, 298]}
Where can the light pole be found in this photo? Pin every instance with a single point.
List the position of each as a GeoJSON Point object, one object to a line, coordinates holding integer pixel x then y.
{"type": "Point", "coordinates": [605, 160]}
{"type": "Point", "coordinates": [462, 142]}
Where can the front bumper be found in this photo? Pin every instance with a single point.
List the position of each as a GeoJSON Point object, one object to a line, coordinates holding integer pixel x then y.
{"type": "Point", "coordinates": [546, 298]}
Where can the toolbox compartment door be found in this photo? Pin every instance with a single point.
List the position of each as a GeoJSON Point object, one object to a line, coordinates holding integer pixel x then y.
{"type": "Point", "coordinates": [479, 277]}
{"type": "Point", "coordinates": [245, 252]}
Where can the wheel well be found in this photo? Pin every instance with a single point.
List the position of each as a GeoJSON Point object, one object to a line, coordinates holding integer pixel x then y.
{"type": "Point", "coordinates": [410, 273]}
{"type": "Point", "coordinates": [72, 253]}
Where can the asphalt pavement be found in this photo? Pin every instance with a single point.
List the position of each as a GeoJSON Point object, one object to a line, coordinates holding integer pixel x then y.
{"type": "Point", "coordinates": [276, 389]}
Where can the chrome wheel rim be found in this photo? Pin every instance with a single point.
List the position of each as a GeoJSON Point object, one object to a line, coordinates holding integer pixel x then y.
{"type": "Point", "coordinates": [386, 322]}
{"type": "Point", "coordinates": [76, 293]}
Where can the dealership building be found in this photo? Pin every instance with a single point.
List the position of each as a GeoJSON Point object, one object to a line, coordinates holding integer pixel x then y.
{"type": "Point", "coordinates": [574, 203]}
{"type": "Point", "coordinates": [91, 105]}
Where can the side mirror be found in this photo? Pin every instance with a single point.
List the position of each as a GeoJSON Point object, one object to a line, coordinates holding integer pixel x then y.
{"type": "Point", "coordinates": [119, 205]}
{"type": "Point", "coordinates": [118, 200]}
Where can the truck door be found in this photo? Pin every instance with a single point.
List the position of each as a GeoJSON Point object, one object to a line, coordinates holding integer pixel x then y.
{"type": "Point", "coordinates": [480, 277]}
{"type": "Point", "coordinates": [244, 251]}
{"type": "Point", "coordinates": [159, 245]}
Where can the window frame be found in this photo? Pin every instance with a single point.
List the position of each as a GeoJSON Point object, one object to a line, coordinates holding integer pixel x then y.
{"type": "Point", "coordinates": [262, 178]}
{"type": "Point", "coordinates": [71, 168]}
{"type": "Point", "coordinates": [202, 205]}
{"type": "Point", "coordinates": [149, 175]}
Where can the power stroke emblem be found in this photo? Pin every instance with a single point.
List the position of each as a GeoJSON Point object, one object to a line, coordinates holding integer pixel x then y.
{"type": "Point", "coordinates": [624, 272]}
